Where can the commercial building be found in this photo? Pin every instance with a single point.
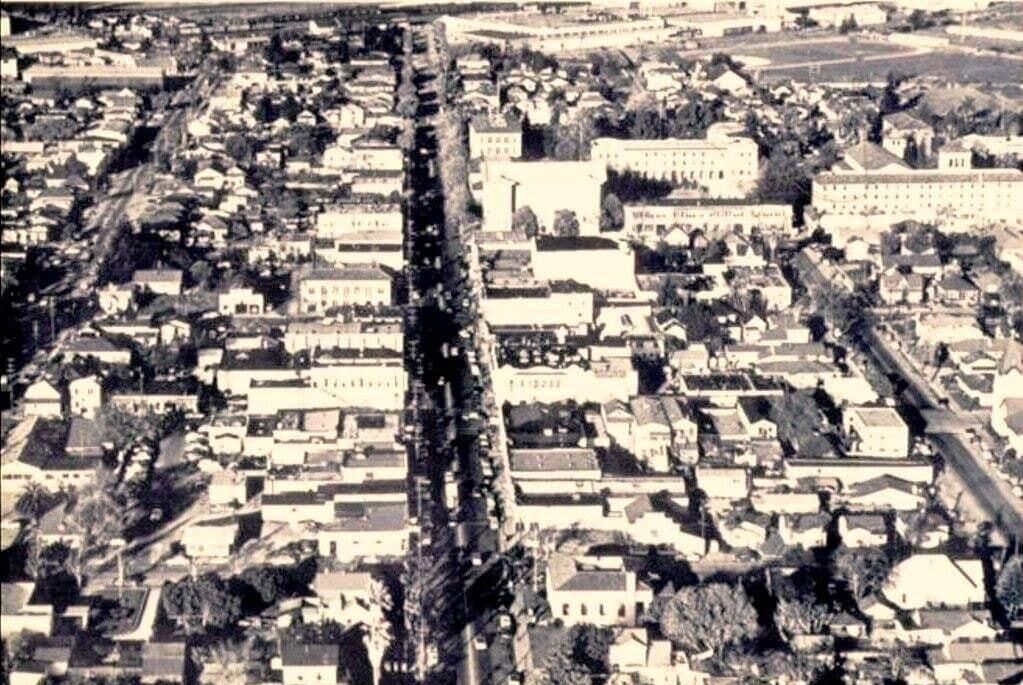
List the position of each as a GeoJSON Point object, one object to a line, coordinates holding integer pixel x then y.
{"type": "Point", "coordinates": [725, 165]}
{"type": "Point", "coordinates": [538, 304]}
{"type": "Point", "coordinates": [52, 43]}
{"type": "Point", "coordinates": [862, 14]}
{"type": "Point", "coordinates": [329, 334]}
{"type": "Point", "coordinates": [320, 290]}
{"type": "Point", "coordinates": [876, 432]}
{"type": "Point", "coordinates": [98, 75]}
{"type": "Point", "coordinates": [594, 381]}
{"type": "Point", "coordinates": [546, 187]}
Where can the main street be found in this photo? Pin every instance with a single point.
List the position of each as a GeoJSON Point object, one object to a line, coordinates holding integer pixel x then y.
{"type": "Point", "coordinates": [457, 549]}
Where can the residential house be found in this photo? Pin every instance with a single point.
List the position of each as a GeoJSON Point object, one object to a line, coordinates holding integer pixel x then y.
{"type": "Point", "coordinates": [85, 396]}
{"type": "Point", "coordinates": [42, 399]}
{"type": "Point", "coordinates": [804, 530]}
{"type": "Point", "coordinates": [158, 281]}
{"type": "Point", "coordinates": [210, 540]}
{"type": "Point", "coordinates": [862, 530]}
{"type": "Point", "coordinates": [306, 663]}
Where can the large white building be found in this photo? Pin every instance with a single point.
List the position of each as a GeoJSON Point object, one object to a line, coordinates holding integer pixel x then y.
{"type": "Point", "coordinates": [539, 304]}
{"type": "Point", "coordinates": [545, 187]}
{"type": "Point", "coordinates": [871, 185]}
{"type": "Point", "coordinates": [551, 33]}
{"type": "Point", "coordinates": [497, 139]}
{"type": "Point", "coordinates": [600, 263]}
{"type": "Point", "coordinates": [598, 591]}
{"type": "Point", "coordinates": [725, 165]}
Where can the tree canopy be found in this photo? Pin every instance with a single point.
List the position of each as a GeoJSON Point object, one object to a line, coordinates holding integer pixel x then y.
{"type": "Point", "coordinates": [712, 616]}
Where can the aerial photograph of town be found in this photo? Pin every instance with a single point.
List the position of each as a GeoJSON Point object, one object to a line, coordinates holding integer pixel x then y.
{"type": "Point", "coordinates": [512, 342]}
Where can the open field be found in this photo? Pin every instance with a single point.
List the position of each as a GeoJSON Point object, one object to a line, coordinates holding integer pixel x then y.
{"type": "Point", "coordinates": [822, 51]}
{"type": "Point", "coordinates": [953, 66]}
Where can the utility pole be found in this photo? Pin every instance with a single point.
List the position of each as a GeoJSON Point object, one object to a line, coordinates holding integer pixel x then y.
{"type": "Point", "coordinates": [53, 326]}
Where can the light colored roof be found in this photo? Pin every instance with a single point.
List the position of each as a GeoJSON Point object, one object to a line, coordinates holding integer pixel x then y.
{"type": "Point", "coordinates": [333, 582]}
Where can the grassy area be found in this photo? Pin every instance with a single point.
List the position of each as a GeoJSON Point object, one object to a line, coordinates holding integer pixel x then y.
{"type": "Point", "coordinates": [112, 612]}
{"type": "Point", "coordinates": [942, 65]}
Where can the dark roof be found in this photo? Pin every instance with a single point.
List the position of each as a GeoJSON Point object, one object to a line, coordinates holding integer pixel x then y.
{"type": "Point", "coordinates": [550, 243]}
{"type": "Point", "coordinates": [295, 654]}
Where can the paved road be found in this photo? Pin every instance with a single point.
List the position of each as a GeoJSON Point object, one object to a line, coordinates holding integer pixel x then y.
{"type": "Point", "coordinates": [1001, 506]}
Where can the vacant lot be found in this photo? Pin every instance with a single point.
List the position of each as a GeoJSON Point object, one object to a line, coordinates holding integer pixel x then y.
{"type": "Point", "coordinates": [943, 65]}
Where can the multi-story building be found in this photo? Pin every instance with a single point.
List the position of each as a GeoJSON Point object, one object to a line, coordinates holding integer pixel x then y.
{"type": "Point", "coordinates": [724, 164]}
{"type": "Point", "coordinates": [320, 290]}
{"type": "Point", "coordinates": [546, 187]}
{"type": "Point", "coordinates": [327, 334]}
{"type": "Point", "coordinates": [879, 188]}
{"type": "Point", "coordinates": [384, 221]}
{"type": "Point", "coordinates": [497, 139]}
{"type": "Point", "coordinates": [653, 222]}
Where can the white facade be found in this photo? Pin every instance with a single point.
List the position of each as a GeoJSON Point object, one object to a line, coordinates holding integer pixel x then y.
{"type": "Point", "coordinates": [726, 166]}
{"type": "Point", "coordinates": [876, 432]}
{"type": "Point", "coordinates": [324, 289]}
{"type": "Point", "coordinates": [600, 381]}
{"type": "Point", "coordinates": [973, 197]}
{"type": "Point", "coordinates": [85, 396]}
{"type": "Point", "coordinates": [545, 187]}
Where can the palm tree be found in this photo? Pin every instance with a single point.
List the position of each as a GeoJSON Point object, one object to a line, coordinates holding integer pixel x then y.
{"type": "Point", "coordinates": [33, 502]}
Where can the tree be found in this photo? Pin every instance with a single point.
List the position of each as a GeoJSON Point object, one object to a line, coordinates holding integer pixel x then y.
{"type": "Point", "coordinates": [525, 220]}
{"type": "Point", "coordinates": [202, 603]}
{"type": "Point", "coordinates": [800, 616]}
{"type": "Point", "coordinates": [566, 224]}
{"type": "Point", "coordinates": [579, 655]}
{"type": "Point", "coordinates": [269, 582]}
{"type": "Point", "coordinates": [783, 179]}
{"type": "Point", "coordinates": [848, 25]}
{"type": "Point", "coordinates": [612, 215]}
{"type": "Point", "coordinates": [239, 148]}
{"type": "Point", "coordinates": [1009, 588]}
{"type": "Point", "coordinates": [713, 616]}
{"type": "Point", "coordinates": [863, 571]}
{"type": "Point", "coordinates": [96, 519]}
